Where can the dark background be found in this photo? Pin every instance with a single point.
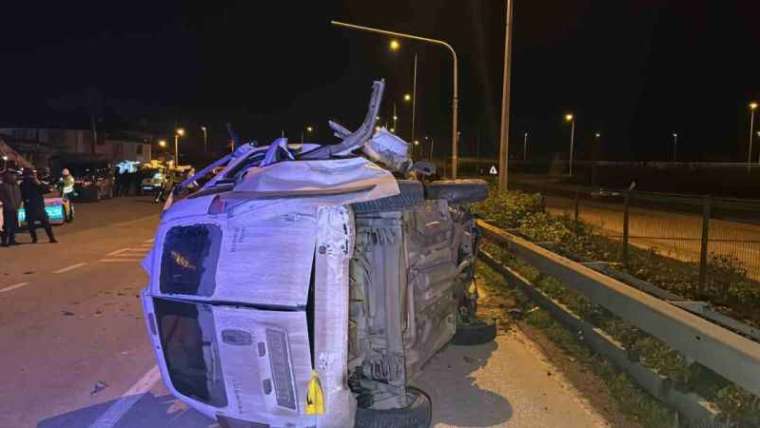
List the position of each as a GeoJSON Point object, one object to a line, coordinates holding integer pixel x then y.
{"type": "Point", "coordinates": [633, 70]}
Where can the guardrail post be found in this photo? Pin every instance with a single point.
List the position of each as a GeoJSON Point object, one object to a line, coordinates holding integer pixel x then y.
{"type": "Point", "coordinates": [706, 213]}
{"type": "Point", "coordinates": [575, 214]}
{"type": "Point", "coordinates": [626, 209]}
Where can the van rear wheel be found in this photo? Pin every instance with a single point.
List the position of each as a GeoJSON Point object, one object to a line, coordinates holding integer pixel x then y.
{"type": "Point", "coordinates": [476, 332]}
{"type": "Point", "coordinates": [418, 414]}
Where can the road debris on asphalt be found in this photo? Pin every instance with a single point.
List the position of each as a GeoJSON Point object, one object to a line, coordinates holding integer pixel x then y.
{"type": "Point", "coordinates": [99, 386]}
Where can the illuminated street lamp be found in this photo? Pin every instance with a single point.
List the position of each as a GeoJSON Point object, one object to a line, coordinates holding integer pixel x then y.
{"type": "Point", "coordinates": [309, 130]}
{"type": "Point", "coordinates": [5, 162]}
{"type": "Point", "coordinates": [162, 143]}
{"type": "Point", "coordinates": [395, 45]}
{"type": "Point", "coordinates": [675, 146]}
{"type": "Point", "coordinates": [752, 108]}
{"type": "Point", "coordinates": [571, 120]}
{"type": "Point", "coordinates": [407, 97]}
{"type": "Point", "coordinates": [178, 133]}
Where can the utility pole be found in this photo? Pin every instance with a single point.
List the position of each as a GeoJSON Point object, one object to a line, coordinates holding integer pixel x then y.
{"type": "Point", "coordinates": [505, 98]}
{"type": "Point", "coordinates": [525, 146]}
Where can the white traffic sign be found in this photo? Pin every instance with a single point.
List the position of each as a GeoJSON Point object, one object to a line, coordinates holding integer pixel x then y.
{"type": "Point", "coordinates": [493, 170]}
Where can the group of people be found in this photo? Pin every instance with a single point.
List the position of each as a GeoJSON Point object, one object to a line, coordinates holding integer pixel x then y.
{"type": "Point", "coordinates": [30, 195]}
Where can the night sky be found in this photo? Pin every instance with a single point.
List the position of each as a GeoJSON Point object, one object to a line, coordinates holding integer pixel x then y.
{"type": "Point", "coordinates": [633, 70]}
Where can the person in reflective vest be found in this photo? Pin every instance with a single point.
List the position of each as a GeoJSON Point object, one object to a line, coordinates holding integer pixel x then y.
{"type": "Point", "coordinates": [66, 184]}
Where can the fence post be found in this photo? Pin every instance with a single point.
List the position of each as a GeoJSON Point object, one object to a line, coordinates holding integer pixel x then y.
{"type": "Point", "coordinates": [575, 214]}
{"type": "Point", "coordinates": [626, 210]}
{"type": "Point", "coordinates": [706, 213]}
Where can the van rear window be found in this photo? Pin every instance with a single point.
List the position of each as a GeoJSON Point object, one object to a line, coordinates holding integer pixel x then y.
{"type": "Point", "coordinates": [188, 339]}
{"type": "Point", "coordinates": [189, 259]}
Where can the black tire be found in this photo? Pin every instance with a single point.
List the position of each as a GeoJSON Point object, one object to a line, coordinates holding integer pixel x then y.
{"type": "Point", "coordinates": [419, 414]}
{"type": "Point", "coordinates": [412, 193]}
{"type": "Point", "coordinates": [475, 333]}
{"type": "Point", "coordinates": [458, 191]}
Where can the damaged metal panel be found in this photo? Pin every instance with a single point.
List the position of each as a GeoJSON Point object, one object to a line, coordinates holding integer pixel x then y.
{"type": "Point", "coordinates": [243, 363]}
{"type": "Point", "coordinates": [331, 276]}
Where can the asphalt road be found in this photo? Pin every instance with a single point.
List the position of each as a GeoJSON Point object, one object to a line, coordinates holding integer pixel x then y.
{"type": "Point", "coordinates": [74, 351]}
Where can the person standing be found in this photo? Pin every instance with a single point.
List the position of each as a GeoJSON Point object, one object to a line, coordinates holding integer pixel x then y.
{"type": "Point", "coordinates": [10, 197]}
{"type": "Point", "coordinates": [66, 184]}
{"type": "Point", "coordinates": [32, 191]}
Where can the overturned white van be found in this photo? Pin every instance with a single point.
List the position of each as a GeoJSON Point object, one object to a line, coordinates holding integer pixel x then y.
{"type": "Point", "coordinates": [306, 285]}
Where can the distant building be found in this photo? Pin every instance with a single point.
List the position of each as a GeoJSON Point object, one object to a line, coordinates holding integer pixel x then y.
{"type": "Point", "coordinates": [41, 145]}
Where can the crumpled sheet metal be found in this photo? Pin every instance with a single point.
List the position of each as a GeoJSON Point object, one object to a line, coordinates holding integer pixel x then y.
{"type": "Point", "coordinates": [333, 182]}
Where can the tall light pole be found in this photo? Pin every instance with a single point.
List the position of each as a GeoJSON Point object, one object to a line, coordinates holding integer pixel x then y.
{"type": "Point", "coordinates": [432, 144]}
{"type": "Point", "coordinates": [525, 146]}
{"type": "Point", "coordinates": [675, 146]}
{"type": "Point", "coordinates": [395, 46]}
{"type": "Point", "coordinates": [505, 99]}
{"type": "Point", "coordinates": [178, 133]}
{"type": "Point", "coordinates": [395, 119]}
{"type": "Point", "coordinates": [752, 108]}
{"type": "Point", "coordinates": [571, 119]}
{"type": "Point", "coordinates": [455, 95]}
{"type": "Point", "coordinates": [205, 139]}
{"type": "Point", "coordinates": [414, 93]}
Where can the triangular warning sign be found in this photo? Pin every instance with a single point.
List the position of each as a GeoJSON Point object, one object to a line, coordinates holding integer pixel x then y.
{"type": "Point", "coordinates": [493, 170]}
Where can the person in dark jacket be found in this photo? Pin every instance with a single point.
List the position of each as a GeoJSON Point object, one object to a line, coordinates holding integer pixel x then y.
{"type": "Point", "coordinates": [34, 204]}
{"type": "Point", "coordinates": [10, 197]}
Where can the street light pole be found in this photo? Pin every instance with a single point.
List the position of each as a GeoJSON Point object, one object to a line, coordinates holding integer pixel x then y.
{"type": "Point", "coordinates": [395, 119]}
{"type": "Point", "coordinates": [525, 147]}
{"type": "Point", "coordinates": [455, 95]}
{"type": "Point", "coordinates": [205, 139]}
{"type": "Point", "coordinates": [414, 93]}
{"type": "Point", "coordinates": [675, 146]}
{"type": "Point", "coordinates": [752, 108]}
{"type": "Point", "coordinates": [177, 133]}
{"type": "Point", "coordinates": [570, 118]}
{"type": "Point", "coordinates": [505, 98]}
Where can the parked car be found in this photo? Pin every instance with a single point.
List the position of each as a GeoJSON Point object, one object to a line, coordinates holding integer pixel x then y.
{"type": "Point", "coordinates": [305, 285]}
{"type": "Point", "coordinates": [56, 210]}
{"type": "Point", "coordinates": [152, 181]}
{"type": "Point", "coordinates": [94, 181]}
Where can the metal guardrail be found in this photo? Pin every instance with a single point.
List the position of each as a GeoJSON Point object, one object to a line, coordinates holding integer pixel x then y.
{"type": "Point", "coordinates": [734, 357]}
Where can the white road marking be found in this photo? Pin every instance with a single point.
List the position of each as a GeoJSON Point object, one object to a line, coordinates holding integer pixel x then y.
{"type": "Point", "coordinates": [121, 260]}
{"type": "Point", "coordinates": [150, 241]}
{"type": "Point", "coordinates": [111, 417]}
{"type": "Point", "coordinates": [113, 253]}
{"type": "Point", "coordinates": [68, 268]}
{"type": "Point", "coordinates": [13, 287]}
